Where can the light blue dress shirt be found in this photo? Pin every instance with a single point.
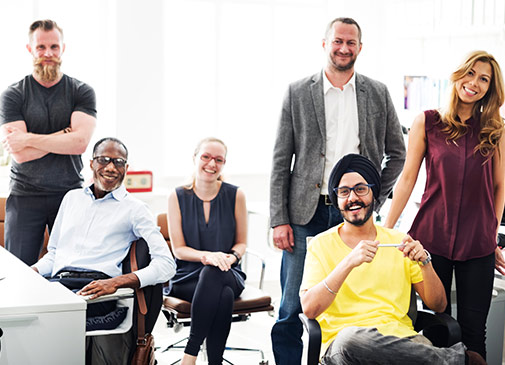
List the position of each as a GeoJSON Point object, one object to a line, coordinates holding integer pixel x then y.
{"type": "Point", "coordinates": [96, 234]}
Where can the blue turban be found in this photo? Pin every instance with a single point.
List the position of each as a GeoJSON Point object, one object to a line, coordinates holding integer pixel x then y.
{"type": "Point", "coordinates": [353, 163]}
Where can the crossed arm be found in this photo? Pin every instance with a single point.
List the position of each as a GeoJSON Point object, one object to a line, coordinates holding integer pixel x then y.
{"type": "Point", "coordinates": [25, 146]}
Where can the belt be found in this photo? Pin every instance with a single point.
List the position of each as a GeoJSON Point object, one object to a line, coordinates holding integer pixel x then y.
{"type": "Point", "coordinates": [326, 199]}
{"type": "Point", "coordinates": [83, 274]}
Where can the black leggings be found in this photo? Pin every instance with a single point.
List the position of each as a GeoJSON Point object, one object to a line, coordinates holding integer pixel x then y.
{"type": "Point", "coordinates": [211, 295]}
{"type": "Point", "coordinates": [474, 288]}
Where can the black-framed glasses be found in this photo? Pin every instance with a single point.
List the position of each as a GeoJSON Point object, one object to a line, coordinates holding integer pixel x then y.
{"type": "Point", "coordinates": [359, 190]}
{"type": "Point", "coordinates": [207, 157]}
{"type": "Point", "coordinates": [105, 160]}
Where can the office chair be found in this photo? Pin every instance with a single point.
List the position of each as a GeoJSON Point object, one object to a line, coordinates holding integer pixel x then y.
{"type": "Point", "coordinates": [252, 300]}
{"type": "Point", "coordinates": [440, 328]}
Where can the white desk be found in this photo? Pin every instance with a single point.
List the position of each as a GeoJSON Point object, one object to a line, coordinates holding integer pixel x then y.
{"type": "Point", "coordinates": [43, 322]}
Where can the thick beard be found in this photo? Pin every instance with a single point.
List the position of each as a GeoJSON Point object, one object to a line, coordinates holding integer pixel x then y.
{"type": "Point", "coordinates": [47, 73]}
{"type": "Point", "coordinates": [360, 222]}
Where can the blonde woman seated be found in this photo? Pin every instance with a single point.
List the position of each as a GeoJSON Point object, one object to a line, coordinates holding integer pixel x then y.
{"type": "Point", "coordinates": [208, 230]}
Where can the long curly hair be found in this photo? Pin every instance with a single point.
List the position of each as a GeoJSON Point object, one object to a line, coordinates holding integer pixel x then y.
{"type": "Point", "coordinates": [491, 123]}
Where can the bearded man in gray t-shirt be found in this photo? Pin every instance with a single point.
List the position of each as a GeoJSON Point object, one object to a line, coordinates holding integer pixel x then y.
{"type": "Point", "coordinates": [47, 120]}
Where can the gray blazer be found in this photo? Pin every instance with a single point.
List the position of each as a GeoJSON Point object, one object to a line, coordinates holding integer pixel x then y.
{"type": "Point", "coordinates": [298, 159]}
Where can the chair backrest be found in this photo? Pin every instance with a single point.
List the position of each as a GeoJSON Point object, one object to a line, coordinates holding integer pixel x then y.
{"type": "Point", "coordinates": [153, 294]}
{"type": "Point", "coordinates": [3, 201]}
{"type": "Point", "coordinates": [162, 221]}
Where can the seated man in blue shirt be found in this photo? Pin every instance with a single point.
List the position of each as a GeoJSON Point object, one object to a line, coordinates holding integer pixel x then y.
{"type": "Point", "coordinates": [95, 227]}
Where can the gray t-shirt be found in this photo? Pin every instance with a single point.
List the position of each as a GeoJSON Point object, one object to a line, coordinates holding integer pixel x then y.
{"type": "Point", "coordinates": [45, 111]}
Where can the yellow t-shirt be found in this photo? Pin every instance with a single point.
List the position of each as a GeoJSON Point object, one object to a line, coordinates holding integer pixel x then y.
{"type": "Point", "coordinates": [375, 294]}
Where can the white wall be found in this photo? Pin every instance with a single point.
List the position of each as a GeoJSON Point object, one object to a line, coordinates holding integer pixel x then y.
{"type": "Point", "coordinates": [168, 73]}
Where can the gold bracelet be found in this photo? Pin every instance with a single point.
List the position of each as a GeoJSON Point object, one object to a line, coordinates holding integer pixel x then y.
{"type": "Point", "coordinates": [327, 287]}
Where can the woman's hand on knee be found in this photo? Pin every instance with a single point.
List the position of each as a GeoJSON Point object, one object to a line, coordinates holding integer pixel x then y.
{"type": "Point", "coordinates": [218, 259]}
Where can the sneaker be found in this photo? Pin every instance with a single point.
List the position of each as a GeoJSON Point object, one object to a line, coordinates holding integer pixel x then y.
{"type": "Point", "coordinates": [474, 358]}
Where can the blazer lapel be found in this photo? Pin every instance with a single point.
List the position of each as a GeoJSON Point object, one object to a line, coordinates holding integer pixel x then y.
{"type": "Point", "coordinates": [361, 98]}
{"type": "Point", "coordinates": [316, 90]}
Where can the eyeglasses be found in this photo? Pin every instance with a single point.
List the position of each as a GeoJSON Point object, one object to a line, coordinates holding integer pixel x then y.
{"type": "Point", "coordinates": [104, 161]}
{"type": "Point", "coordinates": [205, 157]}
{"type": "Point", "coordinates": [359, 190]}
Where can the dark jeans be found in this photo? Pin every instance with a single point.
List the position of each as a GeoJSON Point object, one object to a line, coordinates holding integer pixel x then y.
{"type": "Point", "coordinates": [75, 284]}
{"type": "Point", "coordinates": [474, 288]}
{"type": "Point", "coordinates": [26, 219]}
{"type": "Point", "coordinates": [287, 331]}
{"type": "Point", "coordinates": [211, 295]}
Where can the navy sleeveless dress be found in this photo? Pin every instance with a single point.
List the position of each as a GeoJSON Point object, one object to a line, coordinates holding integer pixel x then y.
{"type": "Point", "coordinates": [216, 235]}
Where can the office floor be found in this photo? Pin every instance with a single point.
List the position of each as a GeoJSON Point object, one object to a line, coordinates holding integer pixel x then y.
{"type": "Point", "coordinates": [254, 333]}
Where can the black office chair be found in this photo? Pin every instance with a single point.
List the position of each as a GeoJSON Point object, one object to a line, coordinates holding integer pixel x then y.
{"type": "Point", "coordinates": [440, 328]}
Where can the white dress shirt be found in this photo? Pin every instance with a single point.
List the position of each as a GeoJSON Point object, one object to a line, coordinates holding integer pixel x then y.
{"type": "Point", "coordinates": [342, 127]}
{"type": "Point", "coordinates": [96, 234]}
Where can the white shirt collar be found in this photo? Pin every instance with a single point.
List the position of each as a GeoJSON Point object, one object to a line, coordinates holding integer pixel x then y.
{"type": "Point", "coordinates": [118, 194]}
{"type": "Point", "coordinates": [327, 85]}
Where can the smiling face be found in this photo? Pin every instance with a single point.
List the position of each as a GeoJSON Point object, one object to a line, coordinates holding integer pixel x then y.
{"type": "Point", "coordinates": [108, 177]}
{"type": "Point", "coordinates": [355, 209]}
{"type": "Point", "coordinates": [46, 48]}
{"type": "Point", "coordinates": [209, 161]}
{"type": "Point", "coordinates": [474, 85]}
{"type": "Point", "coordinates": [342, 46]}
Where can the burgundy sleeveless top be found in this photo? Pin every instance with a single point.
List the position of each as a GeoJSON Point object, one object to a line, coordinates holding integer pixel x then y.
{"type": "Point", "coordinates": [456, 219]}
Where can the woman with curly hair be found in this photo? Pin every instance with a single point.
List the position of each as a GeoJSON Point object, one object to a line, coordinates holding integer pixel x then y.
{"type": "Point", "coordinates": [464, 196]}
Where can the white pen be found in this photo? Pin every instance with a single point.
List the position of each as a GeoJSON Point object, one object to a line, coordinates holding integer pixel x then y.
{"type": "Point", "coordinates": [390, 244]}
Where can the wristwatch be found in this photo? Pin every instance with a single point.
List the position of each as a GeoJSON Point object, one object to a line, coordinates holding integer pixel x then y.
{"type": "Point", "coordinates": [235, 253]}
{"type": "Point", "coordinates": [428, 259]}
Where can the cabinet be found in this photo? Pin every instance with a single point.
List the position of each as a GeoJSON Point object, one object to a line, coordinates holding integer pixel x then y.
{"type": "Point", "coordinates": [42, 322]}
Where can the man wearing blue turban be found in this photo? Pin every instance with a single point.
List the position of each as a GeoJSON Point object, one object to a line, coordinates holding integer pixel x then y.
{"type": "Point", "coordinates": [358, 278]}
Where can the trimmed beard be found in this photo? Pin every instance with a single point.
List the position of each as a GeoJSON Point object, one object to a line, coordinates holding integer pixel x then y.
{"type": "Point", "coordinates": [360, 222]}
{"type": "Point", "coordinates": [345, 67]}
{"type": "Point", "coordinates": [47, 73]}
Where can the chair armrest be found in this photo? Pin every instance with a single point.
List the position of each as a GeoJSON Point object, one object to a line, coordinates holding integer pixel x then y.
{"type": "Point", "coordinates": [120, 293]}
{"type": "Point", "coordinates": [440, 328]}
{"type": "Point", "coordinates": [263, 265]}
{"type": "Point", "coordinates": [314, 330]}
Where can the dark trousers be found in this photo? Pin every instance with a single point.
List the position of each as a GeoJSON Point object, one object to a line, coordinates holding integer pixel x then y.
{"type": "Point", "coordinates": [211, 295]}
{"type": "Point", "coordinates": [102, 350]}
{"type": "Point", "coordinates": [75, 284]}
{"type": "Point", "coordinates": [474, 288]}
{"type": "Point", "coordinates": [26, 219]}
{"type": "Point", "coordinates": [287, 330]}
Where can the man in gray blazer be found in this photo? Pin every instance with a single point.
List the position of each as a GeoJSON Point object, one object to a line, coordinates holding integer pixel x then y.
{"type": "Point", "coordinates": [324, 117]}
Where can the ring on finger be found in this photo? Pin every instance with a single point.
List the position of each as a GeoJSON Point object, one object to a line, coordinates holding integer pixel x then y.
{"type": "Point", "coordinates": [415, 251]}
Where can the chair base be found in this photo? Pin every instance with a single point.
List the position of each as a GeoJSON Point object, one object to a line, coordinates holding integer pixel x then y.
{"type": "Point", "coordinates": [176, 345]}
